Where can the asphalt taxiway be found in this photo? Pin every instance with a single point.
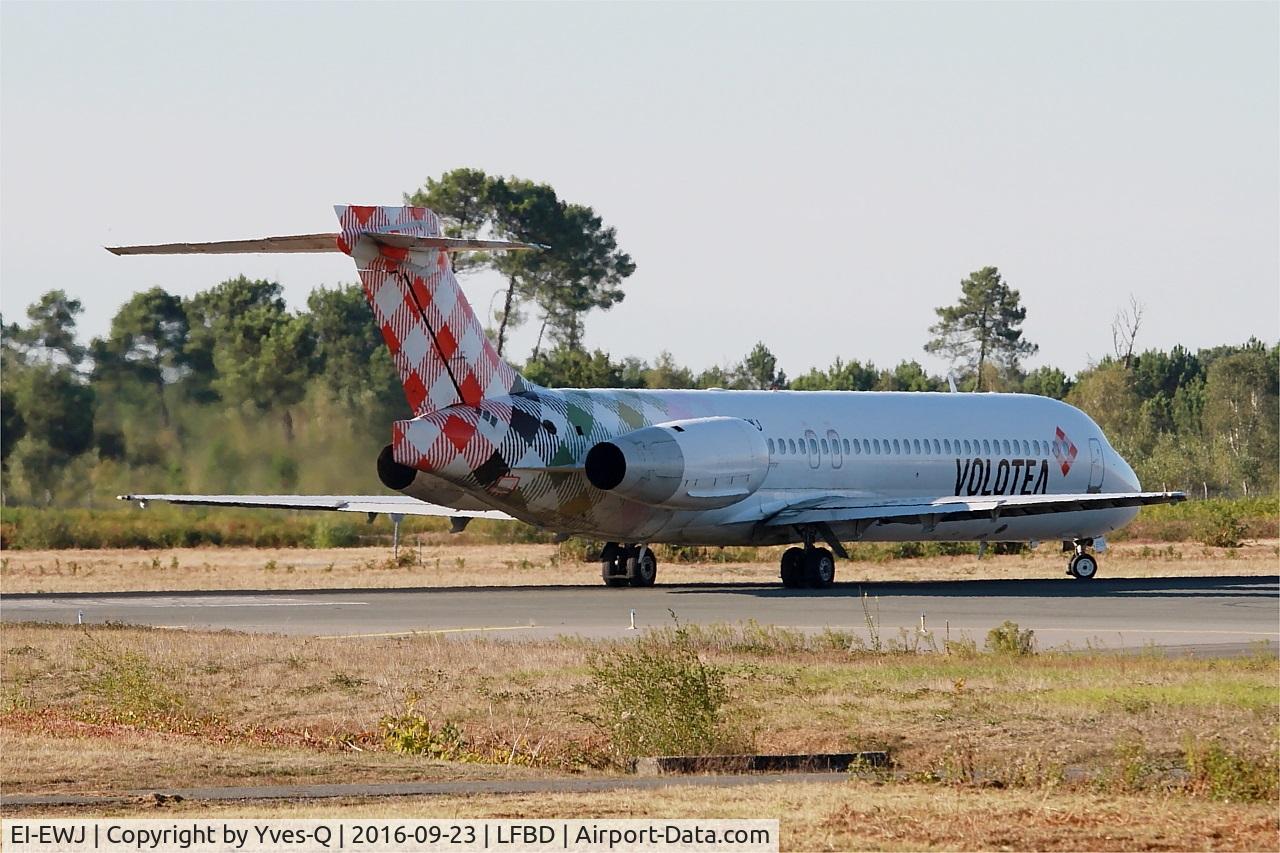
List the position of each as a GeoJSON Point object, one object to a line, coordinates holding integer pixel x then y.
{"type": "Point", "coordinates": [1215, 615]}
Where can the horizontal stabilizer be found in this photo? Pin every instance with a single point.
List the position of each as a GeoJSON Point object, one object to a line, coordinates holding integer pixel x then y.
{"type": "Point", "coordinates": [389, 504]}
{"type": "Point", "coordinates": [439, 346]}
{"type": "Point", "coordinates": [300, 243]}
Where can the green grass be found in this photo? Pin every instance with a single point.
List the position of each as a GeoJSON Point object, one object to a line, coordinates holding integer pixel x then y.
{"type": "Point", "coordinates": [1211, 692]}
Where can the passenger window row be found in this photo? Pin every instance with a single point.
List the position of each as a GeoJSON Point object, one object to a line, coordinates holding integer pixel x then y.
{"type": "Point", "coordinates": [916, 447]}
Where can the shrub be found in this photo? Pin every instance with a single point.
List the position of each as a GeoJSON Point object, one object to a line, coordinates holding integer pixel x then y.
{"type": "Point", "coordinates": [126, 681]}
{"type": "Point", "coordinates": [1006, 548]}
{"type": "Point", "coordinates": [412, 733]}
{"type": "Point", "coordinates": [706, 554]}
{"type": "Point", "coordinates": [1214, 772]}
{"type": "Point", "coordinates": [54, 532]}
{"type": "Point", "coordinates": [1221, 526]}
{"type": "Point", "coordinates": [577, 550]}
{"type": "Point", "coordinates": [907, 550]}
{"type": "Point", "coordinates": [1187, 521]}
{"type": "Point", "coordinates": [953, 549]}
{"type": "Point", "coordinates": [334, 534]}
{"type": "Point", "coordinates": [1035, 769]}
{"type": "Point", "coordinates": [657, 697]}
{"type": "Point", "coordinates": [1132, 770]}
{"type": "Point", "coordinates": [963, 647]}
{"type": "Point", "coordinates": [1009, 639]}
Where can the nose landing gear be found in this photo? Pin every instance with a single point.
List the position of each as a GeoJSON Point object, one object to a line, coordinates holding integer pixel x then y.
{"type": "Point", "coordinates": [1082, 565]}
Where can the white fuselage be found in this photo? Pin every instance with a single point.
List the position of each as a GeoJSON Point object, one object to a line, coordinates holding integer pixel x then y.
{"type": "Point", "coordinates": [921, 445]}
{"type": "Point", "coordinates": [862, 445]}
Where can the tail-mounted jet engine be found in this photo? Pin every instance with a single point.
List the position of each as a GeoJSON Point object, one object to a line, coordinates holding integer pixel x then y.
{"type": "Point", "coordinates": [701, 463]}
{"type": "Point", "coordinates": [424, 487]}
{"type": "Point", "coordinates": [392, 474]}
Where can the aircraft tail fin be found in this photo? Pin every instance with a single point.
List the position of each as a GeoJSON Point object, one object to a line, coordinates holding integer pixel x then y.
{"type": "Point", "coordinates": [436, 340]}
{"type": "Point", "coordinates": [438, 345]}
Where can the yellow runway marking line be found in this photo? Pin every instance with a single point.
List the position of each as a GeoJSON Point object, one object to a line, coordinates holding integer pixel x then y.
{"type": "Point", "coordinates": [428, 631]}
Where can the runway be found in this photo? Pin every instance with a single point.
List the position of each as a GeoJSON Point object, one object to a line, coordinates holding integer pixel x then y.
{"type": "Point", "coordinates": [1215, 615]}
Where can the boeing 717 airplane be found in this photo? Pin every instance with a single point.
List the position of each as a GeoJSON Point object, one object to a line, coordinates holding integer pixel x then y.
{"type": "Point", "coordinates": [711, 467]}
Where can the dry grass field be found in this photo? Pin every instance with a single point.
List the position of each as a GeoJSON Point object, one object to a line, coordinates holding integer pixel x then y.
{"type": "Point", "coordinates": [1051, 751]}
{"type": "Point", "coordinates": [111, 709]}
{"type": "Point", "coordinates": [435, 564]}
{"type": "Point", "coordinates": [853, 816]}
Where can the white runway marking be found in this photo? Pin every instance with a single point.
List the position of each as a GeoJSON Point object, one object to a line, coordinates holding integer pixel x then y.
{"type": "Point", "coordinates": [478, 630]}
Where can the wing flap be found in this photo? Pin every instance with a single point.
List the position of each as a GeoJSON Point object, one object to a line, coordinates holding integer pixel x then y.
{"type": "Point", "coordinates": [835, 509]}
{"type": "Point", "coordinates": [389, 504]}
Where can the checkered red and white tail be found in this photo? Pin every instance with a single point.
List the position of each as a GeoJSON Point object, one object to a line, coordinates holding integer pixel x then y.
{"type": "Point", "coordinates": [436, 341]}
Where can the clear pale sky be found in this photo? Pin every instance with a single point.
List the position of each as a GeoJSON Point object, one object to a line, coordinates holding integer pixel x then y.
{"type": "Point", "coordinates": [819, 177]}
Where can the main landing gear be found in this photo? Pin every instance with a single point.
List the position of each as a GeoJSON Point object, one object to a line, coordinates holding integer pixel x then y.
{"type": "Point", "coordinates": [808, 566]}
{"type": "Point", "coordinates": [622, 565]}
{"type": "Point", "coordinates": [1082, 566]}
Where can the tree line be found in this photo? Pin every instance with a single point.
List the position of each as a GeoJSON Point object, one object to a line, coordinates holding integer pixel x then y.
{"type": "Point", "coordinates": [228, 390]}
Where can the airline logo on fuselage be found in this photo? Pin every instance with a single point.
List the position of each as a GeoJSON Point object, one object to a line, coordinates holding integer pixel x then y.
{"type": "Point", "coordinates": [1005, 477]}
{"type": "Point", "coordinates": [1064, 450]}
{"type": "Point", "coordinates": [1014, 476]}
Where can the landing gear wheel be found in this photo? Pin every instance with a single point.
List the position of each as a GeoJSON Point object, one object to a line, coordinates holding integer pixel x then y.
{"type": "Point", "coordinates": [1083, 567]}
{"type": "Point", "coordinates": [820, 568]}
{"type": "Point", "coordinates": [613, 565]}
{"type": "Point", "coordinates": [643, 568]}
{"type": "Point", "coordinates": [793, 568]}
{"type": "Point", "coordinates": [609, 573]}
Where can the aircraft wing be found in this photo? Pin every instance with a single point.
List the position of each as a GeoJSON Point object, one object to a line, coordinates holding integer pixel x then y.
{"type": "Point", "coordinates": [914, 511]}
{"type": "Point", "coordinates": [389, 504]}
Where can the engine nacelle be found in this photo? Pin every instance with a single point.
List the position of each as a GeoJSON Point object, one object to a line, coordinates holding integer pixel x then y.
{"type": "Point", "coordinates": [392, 474]}
{"type": "Point", "coordinates": [423, 486]}
{"type": "Point", "coordinates": [701, 463]}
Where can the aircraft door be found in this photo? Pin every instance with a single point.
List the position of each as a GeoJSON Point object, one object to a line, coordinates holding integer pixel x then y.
{"type": "Point", "coordinates": [1097, 466]}
{"type": "Point", "coordinates": [811, 446]}
{"type": "Point", "coordinates": [837, 457]}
